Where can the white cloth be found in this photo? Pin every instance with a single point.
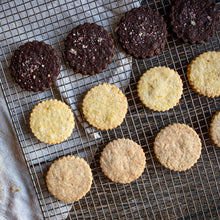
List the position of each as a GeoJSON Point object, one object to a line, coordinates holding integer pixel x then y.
{"type": "Point", "coordinates": [22, 205]}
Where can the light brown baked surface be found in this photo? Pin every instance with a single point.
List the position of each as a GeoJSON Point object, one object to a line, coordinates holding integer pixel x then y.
{"type": "Point", "coordinates": [215, 129]}
{"type": "Point", "coordinates": [105, 106]}
{"type": "Point", "coordinates": [52, 121]}
{"type": "Point", "coordinates": [160, 88]}
{"type": "Point", "coordinates": [177, 147]}
{"type": "Point", "coordinates": [123, 161]}
{"type": "Point", "coordinates": [69, 178]}
{"type": "Point", "coordinates": [204, 74]}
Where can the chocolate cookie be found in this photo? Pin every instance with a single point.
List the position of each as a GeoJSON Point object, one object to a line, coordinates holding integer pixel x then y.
{"type": "Point", "coordinates": [89, 49]}
{"type": "Point", "coordinates": [194, 21]}
{"type": "Point", "coordinates": [35, 66]}
{"type": "Point", "coordinates": [142, 32]}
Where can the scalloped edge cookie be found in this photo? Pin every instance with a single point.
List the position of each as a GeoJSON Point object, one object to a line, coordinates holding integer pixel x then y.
{"type": "Point", "coordinates": [160, 88]}
{"type": "Point", "coordinates": [204, 74]}
{"type": "Point", "coordinates": [104, 106]}
{"type": "Point", "coordinates": [123, 161]}
{"type": "Point", "coordinates": [69, 178]}
{"type": "Point", "coordinates": [215, 129]}
{"type": "Point", "coordinates": [52, 121]}
{"type": "Point", "coordinates": [177, 147]}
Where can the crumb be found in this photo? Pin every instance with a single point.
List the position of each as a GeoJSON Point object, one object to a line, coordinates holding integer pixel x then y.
{"type": "Point", "coordinates": [12, 188]}
{"type": "Point", "coordinates": [18, 190]}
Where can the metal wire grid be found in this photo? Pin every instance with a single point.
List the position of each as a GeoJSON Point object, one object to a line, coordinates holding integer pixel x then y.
{"type": "Point", "coordinates": [159, 193]}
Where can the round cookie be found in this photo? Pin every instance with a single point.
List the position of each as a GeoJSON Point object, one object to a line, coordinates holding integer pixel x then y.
{"type": "Point", "coordinates": [123, 161]}
{"type": "Point", "coordinates": [89, 49]}
{"type": "Point", "coordinates": [194, 21]}
{"type": "Point", "coordinates": [160, 88]}
{"type": "Point", "coordinates": [142, 32]}
{"type": "Point", "coordinates": [69, 178]}
{"type": "Point", "coordinates": [105, 106]}
{"type": "Point", "coordinates": [35, 66]}
{"type": "Point", "coordinates": [177, 147]}
{"type": "Point", "coordinates": [52, 121]}
{"type": "Point", "coordinates": [215, 129]}
{"type": "Point", "coordinates": [204, 74]}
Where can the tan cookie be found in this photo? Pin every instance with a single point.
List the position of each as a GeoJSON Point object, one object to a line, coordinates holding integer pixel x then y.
{"type": "Point", "coordinates": [123, 161]}
{"type": "Point", "coordinates": [215, 129]}
{"type": "Point", "coordinates": [160, 88]}
{"type": "Point", "coordinates": [105, 106]}
{"type": "Point", "coordinates": [204, 74]}
{"type": "Point", "coordinates": [177, 147]}
{"type": "Point", "coordinates": [52, 121]}
{"type": "Point", "coordinates": [69, 178]}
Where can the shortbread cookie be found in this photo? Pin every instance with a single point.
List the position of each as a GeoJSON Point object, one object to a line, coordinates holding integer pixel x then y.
{"type": "Point", "coordinates": [142, 32]}
{"type": "Point", "coordinates": [160, 88]}
{"type": "Point", "coordinates": [52, 121]}
{"type": "Point", "coordinates": [69, 178]}
{"type": "Point", "coordinates": [177, 147]}
{"type": "Point", "coordinates": [89, 48]}
{"type": "Point", "coordinates": [35, 66]}
{"type": "Point", "coordinates": [204, 74]}
{"type": "Point", "coordinates": [105, 106]}
{"type": "Point", "coordinates": [195, 21]}
{"type": "Point", "coordinates": [123, 161]}
{"type": "Point", "coordinates": [215, 129]}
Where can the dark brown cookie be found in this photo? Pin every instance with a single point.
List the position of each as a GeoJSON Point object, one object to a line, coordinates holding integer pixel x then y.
{"type": "Point", "coordinates": [194, 21]}
{"type": "Point", "coordinates": [89, 49]}
{"type": "Point", "coordinates": [142, 32]}
{"type": "Point", "coordinates": [35, 66]}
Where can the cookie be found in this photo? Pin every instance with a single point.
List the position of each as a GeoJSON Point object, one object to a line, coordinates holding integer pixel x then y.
{"type": "Point", "coordinates": [142, 33]}
{"type": "Point", "coordinates": [52, 121]}
{"type": "Point", "coordinates": [177, 147]}
{"type": "Point", "coordinates": [35, 66]}
{"type": "Point", "coordinates": [89, 49]}
{"type": "Point", "coordinates": [69, 178]}
{"type": "Point", "coordinates": [215, 129]}
{"type": "Point", "coordinates": [123, 161]}
{"type": "Point", "coordinates": [105, 106]}
{"type": "Point", "coordinates": [204, 74]}
{"type": "Point", "coordinates": [160, 88]}
{"type": "Point", "coordinates": [194, 21]}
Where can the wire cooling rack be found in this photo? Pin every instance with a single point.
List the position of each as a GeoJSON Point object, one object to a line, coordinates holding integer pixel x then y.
{"type": "Point", "coordinates": [159, 193]}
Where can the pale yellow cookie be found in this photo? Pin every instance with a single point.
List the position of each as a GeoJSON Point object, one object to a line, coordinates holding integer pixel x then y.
{"type": "Point", "coordinates": [215, 129]}
{"type": "Point", "coordinates": [123, 161]}
{"type": "Point", "coordinates": [69, 178]}
{"type": "Point", "coordinates": [105, 106]}
{"type": "Point", "coordinates": [52, 121]}
{"type": "Point", "coordinates": [160, 88]}
{"type": "Point", "coordinates": [177, 147]}
{"type": "Point", "coordinates": [204, 74]}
